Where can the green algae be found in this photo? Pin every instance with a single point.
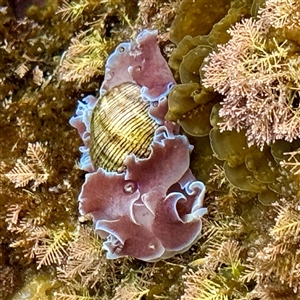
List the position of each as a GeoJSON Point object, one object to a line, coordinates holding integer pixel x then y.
{"type": "Point", "coordinates": [262, 164]}
{"type": "Point", "coordinates": [243, 179]}
{"type": "Point", "coordinates": [198, 116]}
{"type": "Point", "coordinates": [230, 146]}
{"type": "Point", "coordinates": [191, 62]}
{"type": "Point", "coordinates": [197, 18]}
{"type": "Point", "coordinates": [187, 44]}
{"type": "Point", "coordinates": [249, 168]}
{"type": "Point", "coordinates": [196, 113]}
{"type": "Point", "coordinates": [178, 93]}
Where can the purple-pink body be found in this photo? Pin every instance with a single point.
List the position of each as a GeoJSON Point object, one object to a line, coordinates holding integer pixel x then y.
{"type": "Point", "coordinates": [153, 209]}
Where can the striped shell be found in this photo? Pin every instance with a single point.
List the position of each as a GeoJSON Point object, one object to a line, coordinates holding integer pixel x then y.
{"type": "Point", "coordinates": [120, 125]}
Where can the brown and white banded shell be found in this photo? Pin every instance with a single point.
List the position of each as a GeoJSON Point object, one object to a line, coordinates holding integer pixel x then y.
{"type": "Point", "coordinates": [120, 125]}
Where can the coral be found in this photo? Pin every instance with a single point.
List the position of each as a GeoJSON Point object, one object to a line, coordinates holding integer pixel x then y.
{"type": "Point", "coordinates": [122, 221]}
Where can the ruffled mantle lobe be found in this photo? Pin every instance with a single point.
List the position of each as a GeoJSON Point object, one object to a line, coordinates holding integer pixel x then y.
{"type": "Point", "coordinates": [153, 209]}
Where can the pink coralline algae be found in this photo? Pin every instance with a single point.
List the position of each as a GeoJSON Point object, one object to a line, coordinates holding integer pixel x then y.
{"type": "Point", "coordinates": [152, 210]}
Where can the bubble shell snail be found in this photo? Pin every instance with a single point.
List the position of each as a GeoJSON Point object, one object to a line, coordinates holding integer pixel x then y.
{"type": "Point", "coordinates": [144, 200]}
{"type": "Point", "coordinates": [120, 125]}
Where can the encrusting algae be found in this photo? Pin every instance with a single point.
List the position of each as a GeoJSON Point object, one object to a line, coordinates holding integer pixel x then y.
{"type": "Point", "coordinates": [53, 53]}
